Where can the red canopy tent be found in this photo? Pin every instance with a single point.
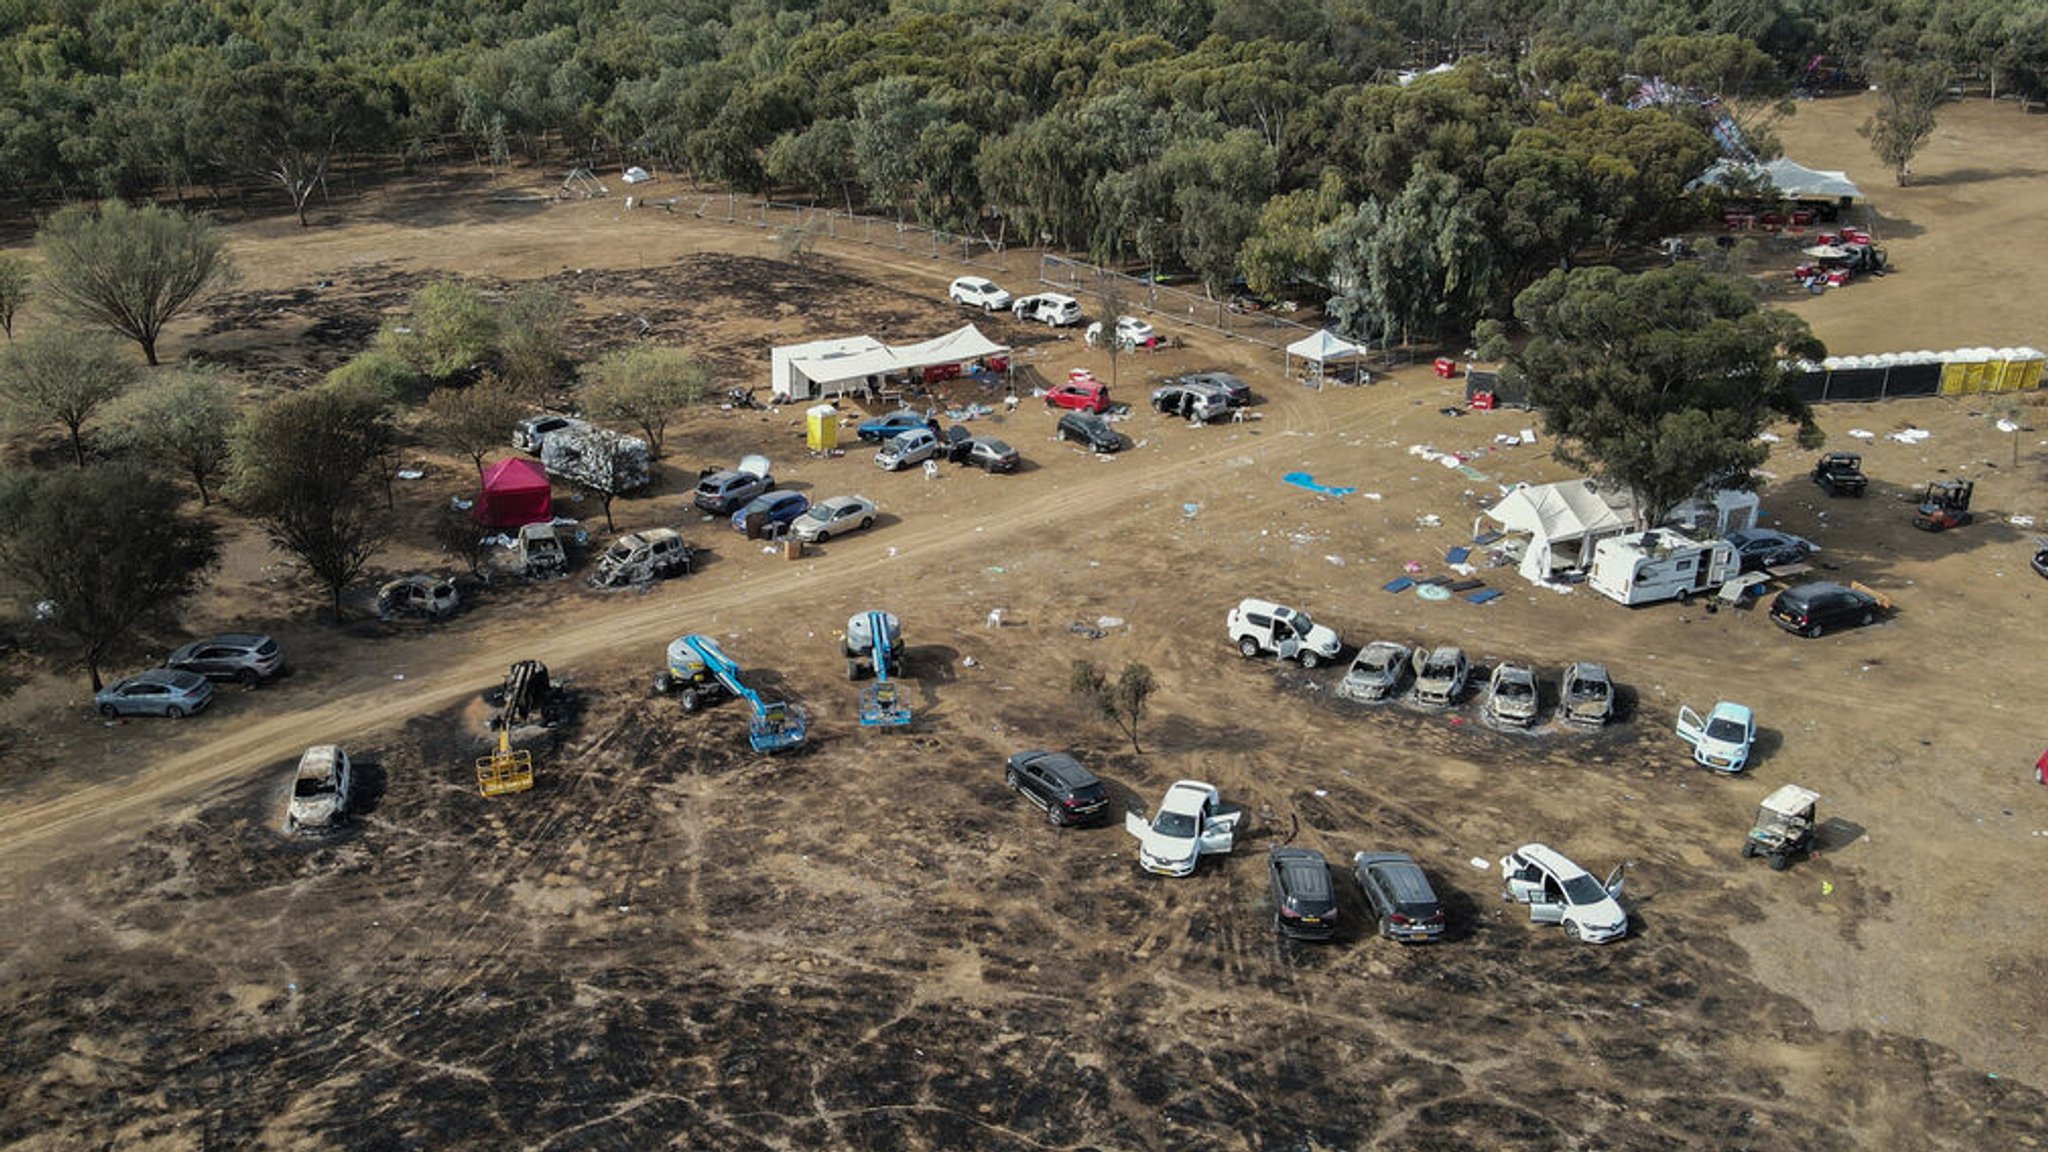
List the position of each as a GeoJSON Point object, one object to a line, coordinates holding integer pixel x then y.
{"type": "Point", "coordinates": [515, 492]}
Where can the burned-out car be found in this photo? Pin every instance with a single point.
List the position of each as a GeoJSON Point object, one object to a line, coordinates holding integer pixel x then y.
{"type": "Point", "coordinates": [1440, 676]}
{"type": "Point", "coordinates": [1511, 696]}
{"type": "Point", "coordinates": [1587, 698]}
{"type": "Point", "coordinates": [1376, 673]}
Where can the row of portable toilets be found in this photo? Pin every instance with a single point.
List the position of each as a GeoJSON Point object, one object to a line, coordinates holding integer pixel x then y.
{"type": "Point", "coordinates": [1894, 374]}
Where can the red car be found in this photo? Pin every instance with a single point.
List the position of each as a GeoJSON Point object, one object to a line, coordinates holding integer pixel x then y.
{"type": "Point", "coordinates": [1081, 396]}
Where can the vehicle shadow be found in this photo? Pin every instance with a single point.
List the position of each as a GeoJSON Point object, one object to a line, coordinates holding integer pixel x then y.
{"type": "Point", "coordinates": [366, 793]}
{"type": "Point", "coordinates": [1835, 834]}
{"type": "Point", "coordinates": [1766, 745]}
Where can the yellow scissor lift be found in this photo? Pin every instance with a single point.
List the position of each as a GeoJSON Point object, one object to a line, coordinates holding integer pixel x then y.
{"type": "Point", "coordinates": [510, 769]}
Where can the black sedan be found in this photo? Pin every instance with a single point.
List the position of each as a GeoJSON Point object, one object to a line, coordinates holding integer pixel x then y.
{"type": "Point", "coordinates": [1761, 548]}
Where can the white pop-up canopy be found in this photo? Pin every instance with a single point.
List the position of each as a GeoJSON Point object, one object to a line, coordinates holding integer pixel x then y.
{"type": "Point", "coordinates": [1320, 348]}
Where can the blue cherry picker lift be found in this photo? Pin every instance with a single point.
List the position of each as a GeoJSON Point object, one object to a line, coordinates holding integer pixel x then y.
{"type": "Point", "coordinates": [874, 643]}
{"type": "Point", "coordinates": [701, 673]}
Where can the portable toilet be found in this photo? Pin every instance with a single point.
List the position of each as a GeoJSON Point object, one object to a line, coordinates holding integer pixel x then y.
{"type": "Point", "coordinates": [821, 427]}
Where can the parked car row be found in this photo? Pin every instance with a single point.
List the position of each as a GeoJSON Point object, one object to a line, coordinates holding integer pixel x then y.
{"type": "Point", "coordinates": [1192, 821]}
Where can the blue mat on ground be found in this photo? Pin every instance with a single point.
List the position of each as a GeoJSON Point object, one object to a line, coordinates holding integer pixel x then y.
{"type": "Point", "coordinates": [1304, 480]}
{"type": "Point", "coordinates": [1457, 555]}
{"type": "Point", "coordinates": [1485, 597]}
{"type": "Point", "coordinates": [1487, 537]}
{"type": "Point", "coordinates": [1401, 585]}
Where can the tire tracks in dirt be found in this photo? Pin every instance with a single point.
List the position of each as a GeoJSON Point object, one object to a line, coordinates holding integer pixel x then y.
{"type": "Point", "coordinates": [52, 826]}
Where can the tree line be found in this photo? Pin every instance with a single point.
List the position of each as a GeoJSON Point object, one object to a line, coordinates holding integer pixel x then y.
{"type": "Point", "coordinates": [1203, 135]}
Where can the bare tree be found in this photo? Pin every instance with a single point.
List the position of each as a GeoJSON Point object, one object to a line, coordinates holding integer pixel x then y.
{"type": "Point", "coordinates": [1121, 702]}
{"type": "Point", "coordinates": [66, 378]}
{"type": "Point", "coordinates": [1111, 295]}
{"type": "Point", "coordinates": [130, 269]}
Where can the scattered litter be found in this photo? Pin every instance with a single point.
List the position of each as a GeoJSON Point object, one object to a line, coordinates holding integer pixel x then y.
{"type": "Point", "coordinates": [1370, 495]}
{"type": "Point", "coordinates": [459, 504]}
{"type": "Point", "coordinates": [1506, 440]}
{"type": "Point", "coordinates": [46, 609]}
{"type": "Point", "coordinates": [1190, 510]}
{"type": "Point", "coordinates": [998, 569]}
{"type": "Point", "coordinates": [1322, 792]}
{"type": "Point", "coordinates": [1452, 411]}
{"type": "Point", "coordinates": [1308, 482]}
{"type": "Point", "coordinates": [1080, 629]}
{"type": "Point", "coordinates": [2003, 426]}
{"type": "Point", "coordinates": [1429, 520]}
{"type": "Point", "coordinates": [969, 662]}
{"type": "Point", "coordinates": [398, 675]}
{"type": "Point", "coordinates": [409, 474]}
{"type": "Point", "coordinates": [1862, 434]}
{"type": "Point", "coordinates": [2020, 521]}
{"type": "Point", "coordinates": [1481, 863]}
{"type": "Point", "coordinates": [1528, 435]}
{"type": "Point", "coordinates": [1768, 437]}
{"type": "Point", "coordinates": [1909, 435]}
{"type": "Point", "coordinates": [769, 549]}
{"type": "Point", "coordinates": [1457, 721]}
{"type": "Point", "coordinates": [1337, 560]}
{"type": "Point", "coordinates": [1411, 568]}
{"type": "Point", "coordinates": [892, 552]}
{"type": "Point", "coordinates": [1107, 622]}
{"type": "Point", "coordinates": [1827, 888]}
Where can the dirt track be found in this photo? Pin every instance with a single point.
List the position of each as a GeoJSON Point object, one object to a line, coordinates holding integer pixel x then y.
{"type": "Point", "coordinates": [872, 944]}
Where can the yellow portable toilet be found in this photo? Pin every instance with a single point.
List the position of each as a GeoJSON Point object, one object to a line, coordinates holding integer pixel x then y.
{"type": "Point", "coordinates": [821, 427]}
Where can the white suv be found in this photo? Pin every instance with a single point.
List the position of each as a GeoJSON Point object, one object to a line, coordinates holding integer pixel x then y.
{"type": "Point", "coordinates": [1049, 308]}
{"type": "Point", "coordinates": [1262, 626]}
{"type": "Point", "coordinates": [975, 292]}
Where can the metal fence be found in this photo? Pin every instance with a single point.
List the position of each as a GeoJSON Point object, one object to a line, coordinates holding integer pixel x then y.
{"type": "Point", "coordinates": [1139, 295]}
{"type": "Point", "coordinates": [1145, 296]}
{"type": "Point", "coordinates": [807, 223]}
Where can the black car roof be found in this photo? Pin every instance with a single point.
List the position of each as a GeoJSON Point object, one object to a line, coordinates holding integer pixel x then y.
{"type": "Point", "coordinates": [1303, 871]}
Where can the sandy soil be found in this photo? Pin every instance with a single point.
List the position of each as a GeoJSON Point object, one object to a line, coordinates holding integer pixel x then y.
{"type": "Point", "coordinates": [673, 942]}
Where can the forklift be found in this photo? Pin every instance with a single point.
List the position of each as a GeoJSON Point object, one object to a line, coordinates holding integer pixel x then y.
{"type": "Point", "coordinates": [1944, 504]}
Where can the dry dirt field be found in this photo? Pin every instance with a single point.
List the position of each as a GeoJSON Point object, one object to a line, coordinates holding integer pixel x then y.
{"type": "Point", "coordinates": [672, 942]}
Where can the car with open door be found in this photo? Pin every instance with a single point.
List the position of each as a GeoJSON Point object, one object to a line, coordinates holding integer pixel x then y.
{"type": "Point", "coordinates": [1191, 823]}
{"type": "Point", "coordinates": [1558, 891]}
{"type": "Point", "coordinates": [1722, 740]}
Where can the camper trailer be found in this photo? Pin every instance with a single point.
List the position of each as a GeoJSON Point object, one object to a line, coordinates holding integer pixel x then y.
{"type": "Point", "coordinates": [1661, 564]}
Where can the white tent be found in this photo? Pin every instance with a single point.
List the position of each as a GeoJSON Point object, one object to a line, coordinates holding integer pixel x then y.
{"type": "Point", "coordinates": [855, 363]}
{"type": "Point", "coordinates": [1793, 180]}
{"type": "Point", "coordinates": [1320, 348]}
{"type": "Point", "coordinates": [1564, 521]}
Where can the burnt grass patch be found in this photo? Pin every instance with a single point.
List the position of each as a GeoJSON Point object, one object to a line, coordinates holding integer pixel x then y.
{"type": "Point", "coordinates": [674, 942]}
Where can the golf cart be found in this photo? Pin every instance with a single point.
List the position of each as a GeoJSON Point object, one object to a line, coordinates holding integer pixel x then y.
{"type": "Point", "coordinates": [1784, 826]}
